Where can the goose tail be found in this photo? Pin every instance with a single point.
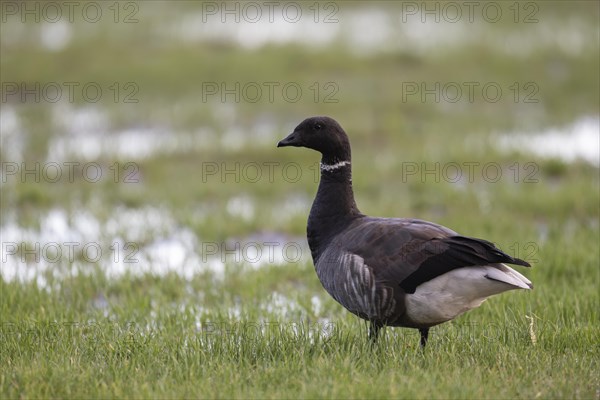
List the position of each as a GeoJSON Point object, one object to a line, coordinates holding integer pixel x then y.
{"type": "Point", "coordinates": [503, 273]}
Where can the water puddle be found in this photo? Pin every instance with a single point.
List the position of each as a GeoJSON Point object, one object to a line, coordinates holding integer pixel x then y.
{"type": "Point", "coordinates": [132, 241]}
{"type": "Point", "coordinates": [578, 141]}
{"type": "Point", "coordinates": [12, 139]}
{"type": "Point", "coordinates": [368, 29]}
{"type": "Point", "coordinates": [87, 135]}
{"type": "Point", "coordinates": [360, 28]}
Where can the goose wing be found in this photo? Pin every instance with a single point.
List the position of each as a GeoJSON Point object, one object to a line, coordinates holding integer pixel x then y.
{"type": "Point", "coordinates": [410, 252]}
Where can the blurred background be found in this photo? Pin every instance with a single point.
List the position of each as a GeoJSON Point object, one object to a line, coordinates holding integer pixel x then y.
{"type": "Point", "coordinates": [138, 138]}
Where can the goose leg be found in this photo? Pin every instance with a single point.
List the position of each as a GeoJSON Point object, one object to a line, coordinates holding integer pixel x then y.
{"type": "Point", "coordinates": [424, 335]}
{"type": "Point", "coordinates": [374, 329]}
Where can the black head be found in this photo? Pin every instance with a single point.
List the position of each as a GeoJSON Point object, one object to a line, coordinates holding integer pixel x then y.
{"type": "Point", "coordinates": [322, 134]}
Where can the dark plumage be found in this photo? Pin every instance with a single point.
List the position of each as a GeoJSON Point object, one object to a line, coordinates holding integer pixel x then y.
{"type": "Point", "coordinates": [392, 271]}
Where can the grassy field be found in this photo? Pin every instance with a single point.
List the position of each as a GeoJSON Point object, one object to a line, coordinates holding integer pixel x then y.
{"type": "Point", "coordinates": [191, 317]}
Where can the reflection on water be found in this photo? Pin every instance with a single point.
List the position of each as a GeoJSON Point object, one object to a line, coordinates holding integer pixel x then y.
{"type": "Point", "coordinates": [86, 135]}
{"type": "Point", "coordinates": [367, 29]}
{"type": "Point", "coordinates": [131, 241]}
{"type": "Point", "coordinates": [12, 137]}
{"type": "Point", "coordinates": [580, 140]}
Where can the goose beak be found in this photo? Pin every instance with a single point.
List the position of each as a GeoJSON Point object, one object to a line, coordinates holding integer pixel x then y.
{"type": "Point", "coordinates": [293, 139]}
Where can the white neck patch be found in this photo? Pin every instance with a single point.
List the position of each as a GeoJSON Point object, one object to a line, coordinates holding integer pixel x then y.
{"type": "Point", "coordinates": [333, 167]}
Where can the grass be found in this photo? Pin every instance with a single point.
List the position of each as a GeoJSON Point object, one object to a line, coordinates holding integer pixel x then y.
{"type": "Point", "coordinates": [157, 343]}
{"type": "Point", "coordinates": [273, 332]}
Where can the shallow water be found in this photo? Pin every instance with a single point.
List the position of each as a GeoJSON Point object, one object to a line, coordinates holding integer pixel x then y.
{"type": "Point", "coordinates": [578, 141]}
{"type": "Point", "coordinates": [369, 29]}
{"type": "Point", "coordinates": [86, 130]}
{"type": "Point", "coordinates": [362, 28]}
{"type": "Point", "coordinates": [150, 240]}
{"type": "Point", "coordinates": [132, 241]}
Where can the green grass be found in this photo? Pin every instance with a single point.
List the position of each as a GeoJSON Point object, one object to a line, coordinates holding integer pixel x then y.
{"type": "Point", "coordinates": [256, 333]}
{"type": "Point", "coordinates": [157, 342]}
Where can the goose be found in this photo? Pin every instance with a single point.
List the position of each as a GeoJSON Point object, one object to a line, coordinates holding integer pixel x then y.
{"type": "Point", "coordinates": [397, 272]}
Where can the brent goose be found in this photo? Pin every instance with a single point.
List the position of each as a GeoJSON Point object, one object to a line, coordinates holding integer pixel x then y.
{"type": "Point", "coordinates": [392, 271]}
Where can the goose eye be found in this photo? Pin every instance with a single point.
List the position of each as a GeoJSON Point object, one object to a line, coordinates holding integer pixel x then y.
{"type": "Point", "coordinates": [318, 127]}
